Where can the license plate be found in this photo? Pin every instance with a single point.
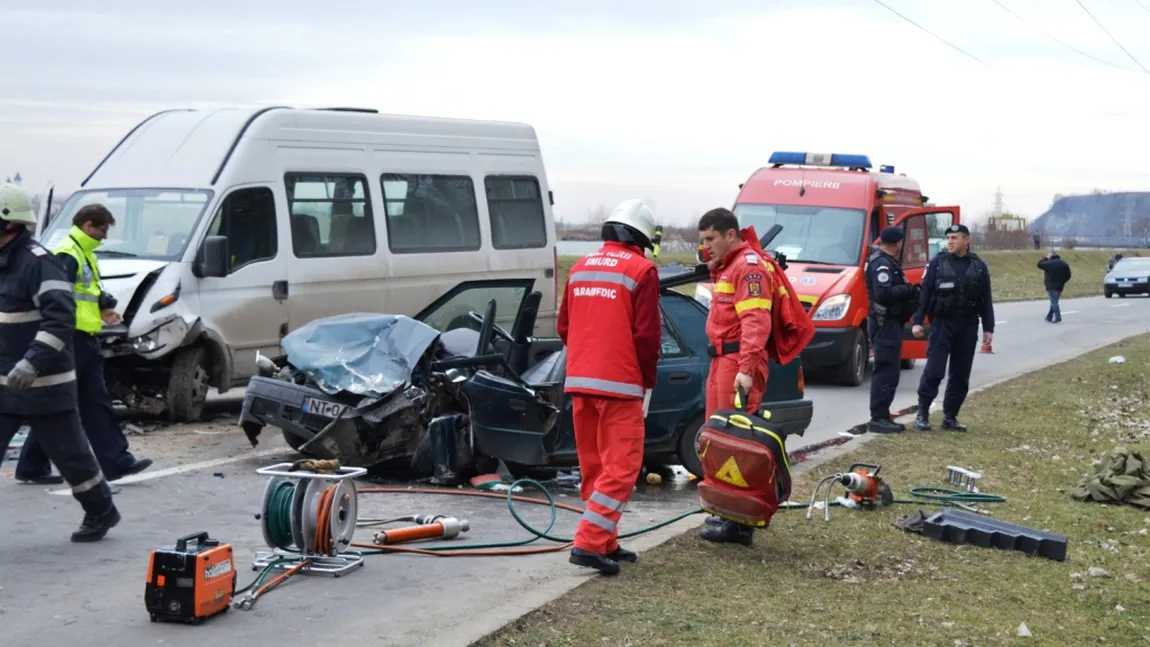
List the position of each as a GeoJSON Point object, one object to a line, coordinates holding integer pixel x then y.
{"type": "Point", "coordinates": [1125, 285]}
{"type": "Point", "coordinates": [322, 407]}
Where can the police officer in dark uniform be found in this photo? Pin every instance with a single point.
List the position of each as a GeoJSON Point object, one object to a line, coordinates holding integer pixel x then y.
{"type": "Point", "coordinates": [956, 293]}
{"type": "Point", "coordinates": [892, 301]}
{"type": "Point", "coordinates": [37, 370]}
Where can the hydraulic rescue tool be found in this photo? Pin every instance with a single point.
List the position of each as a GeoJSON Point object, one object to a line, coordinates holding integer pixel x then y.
{"type": "Point", "coordinates": [866, 489]}
{"type": "Point", "coordinates": [434, 528]}
{"type": "Point", "coordinates": [190, 582]}
{"type": "Point", "coordinates": [746, 475]}
{"type": "Point", "coordinates": [308, 519]}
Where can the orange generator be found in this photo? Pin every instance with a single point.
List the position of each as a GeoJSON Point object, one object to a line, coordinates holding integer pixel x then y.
{"type": "Point", "coordinates": [745, 470]}
{"type": "Point", "coordinates": [190, 583]}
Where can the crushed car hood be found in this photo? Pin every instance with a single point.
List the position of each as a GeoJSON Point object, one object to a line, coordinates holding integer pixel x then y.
{"type": "Point", "coordinates": [121, 276]}
{"type": "Point", "coordinates": [366, 354]}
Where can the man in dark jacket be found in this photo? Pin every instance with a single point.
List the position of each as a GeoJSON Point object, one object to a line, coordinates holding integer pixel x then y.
{"type": "Point", "coordinates": [37, 370]}
{"type": "Point", "coordinates": [1057, 275]}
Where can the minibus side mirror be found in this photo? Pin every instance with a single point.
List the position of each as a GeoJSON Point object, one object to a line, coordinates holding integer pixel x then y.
{"type": "Point", "coordinates": [212, 260]}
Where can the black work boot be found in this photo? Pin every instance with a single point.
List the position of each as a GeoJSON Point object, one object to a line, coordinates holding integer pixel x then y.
{"type": "Point", "coordinates": [922, 417]}
{"type": "Point", "coordinates": [601, 563]}
{"type": "Point", "coordinates": [47, 479]}
{"type": "Point", "coordinates": [95, 526]}
{"type": "Point", "coordinates": [137, 466]}
{"type": "Point", "coordinates": [884, 426]}
{"type": "Point", "coordinates": [714, 520]}
{"type": "Point", "coordinates": [729, 532]}
{"type": "Point", "coordinates": [621, 554]}
{"type": "Point", "coordinates": [951, 423]}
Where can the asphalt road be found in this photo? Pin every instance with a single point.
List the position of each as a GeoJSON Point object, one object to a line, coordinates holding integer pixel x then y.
{"type": "Point", "coordinates": [52, 591]}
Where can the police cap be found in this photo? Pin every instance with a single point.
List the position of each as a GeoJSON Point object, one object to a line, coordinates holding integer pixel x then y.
{"type": "Point", "coordinates": [958, 229]}
{"type": "Point", "coordinates": [891, 235]}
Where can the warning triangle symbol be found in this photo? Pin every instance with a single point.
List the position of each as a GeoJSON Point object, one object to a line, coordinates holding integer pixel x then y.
{"type": "Point", "coordinates": [729, 473]}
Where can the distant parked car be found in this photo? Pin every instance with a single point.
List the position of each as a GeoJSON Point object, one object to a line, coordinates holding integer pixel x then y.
{"type": "Point", "coordinates": [1128, 276]}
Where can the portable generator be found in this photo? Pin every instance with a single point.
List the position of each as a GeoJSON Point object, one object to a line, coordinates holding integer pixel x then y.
{"type": "Point", "coordinates": [191, 582]}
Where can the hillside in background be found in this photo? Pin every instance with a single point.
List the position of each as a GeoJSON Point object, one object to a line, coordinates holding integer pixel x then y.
{"type": "Point", "coordinates": [1097, 215]}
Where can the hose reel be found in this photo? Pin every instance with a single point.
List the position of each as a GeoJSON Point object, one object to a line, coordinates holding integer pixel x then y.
{"type": "Point", "coordinates": [309, 517]}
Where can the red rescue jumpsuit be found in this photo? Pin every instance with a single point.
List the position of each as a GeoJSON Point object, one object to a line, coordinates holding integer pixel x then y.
{"type": "Point", "coordinates": [609, 320]}
{"type": "Point", "coordinates": [739, 326]}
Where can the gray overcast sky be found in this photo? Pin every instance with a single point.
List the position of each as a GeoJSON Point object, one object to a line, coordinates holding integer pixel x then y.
{"type": "Point", "coordinates": [675, 102]}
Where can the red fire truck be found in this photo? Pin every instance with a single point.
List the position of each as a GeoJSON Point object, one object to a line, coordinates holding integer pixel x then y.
{"type": "Point", "coordinates": [832, 208]}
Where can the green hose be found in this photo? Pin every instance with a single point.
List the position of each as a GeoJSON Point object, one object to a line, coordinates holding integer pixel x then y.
{"type": "Point", "coordinates": [924, 496]}
{"type": "Point", "coordinates": [279, 515]}
{"type": "Point", "coordinates": [279, 509]}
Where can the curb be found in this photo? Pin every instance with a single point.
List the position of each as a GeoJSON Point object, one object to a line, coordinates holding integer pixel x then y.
{"type": "Point", "coordinates": [561, 580]}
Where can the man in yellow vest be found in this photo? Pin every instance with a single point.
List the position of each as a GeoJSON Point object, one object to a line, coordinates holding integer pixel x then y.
{"type": "Point", "coordinates": [94, 308]}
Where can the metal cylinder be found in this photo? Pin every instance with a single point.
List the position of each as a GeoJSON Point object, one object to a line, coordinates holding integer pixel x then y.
{"type": "Point", "coordinates": [853, 482]}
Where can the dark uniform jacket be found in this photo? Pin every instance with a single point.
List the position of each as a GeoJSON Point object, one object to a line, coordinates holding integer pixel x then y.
{"type": "Point", "coordinates": [972, 298]}
{"type": "Point", "coordinates": [37, 319]}
{"type": "Point", "coordinates": [1057, 272]}
{"type": "Point", "coordinates": [891, 297]}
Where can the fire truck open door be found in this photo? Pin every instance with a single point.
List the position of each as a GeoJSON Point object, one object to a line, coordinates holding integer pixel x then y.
{"type": "Point", "coordinates": [924, 236]}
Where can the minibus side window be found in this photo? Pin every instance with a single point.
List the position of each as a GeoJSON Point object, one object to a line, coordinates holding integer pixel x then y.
{"type": "Point", "coordinates": [516, 209]}
{"type": "Point", "coordinates": [430, 213]}
{"type": "Point", "coordinates": [330, 215]}
{"type": "Point", "coordinates": [247, 218]}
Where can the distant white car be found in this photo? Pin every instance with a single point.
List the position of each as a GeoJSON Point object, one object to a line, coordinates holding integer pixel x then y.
{"type": "Point", "coordinates": [1129, 276]}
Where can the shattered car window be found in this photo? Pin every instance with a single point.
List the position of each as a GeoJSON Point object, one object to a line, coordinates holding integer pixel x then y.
{"type": "Point", "coordinates": [453, 313]}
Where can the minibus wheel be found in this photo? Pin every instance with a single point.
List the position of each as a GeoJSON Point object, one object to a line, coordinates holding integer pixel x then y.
{"type": "Point", "coordinates": [188, 384]}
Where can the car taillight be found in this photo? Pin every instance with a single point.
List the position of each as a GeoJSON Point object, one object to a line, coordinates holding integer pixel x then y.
{"type": "Point", "coordinates": [802, 382]}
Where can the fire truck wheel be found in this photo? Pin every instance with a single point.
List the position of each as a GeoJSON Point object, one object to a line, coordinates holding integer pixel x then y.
{"type": "Point", "coordinates": [853, 372]}
{"type": "Point", "coordinates": [907, 364]}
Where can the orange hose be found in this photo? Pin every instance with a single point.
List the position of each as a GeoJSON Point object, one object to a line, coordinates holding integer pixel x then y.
{"type": "Point", "coordinates": [468, 553]}
{"type": "Point", "coordinates": [489, 495]}
{"type": "Point", "coordinates": [281, 577]}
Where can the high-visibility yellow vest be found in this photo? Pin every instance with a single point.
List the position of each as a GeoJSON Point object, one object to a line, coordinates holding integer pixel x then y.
{"type": "Point", "coordinates": [81, 246]}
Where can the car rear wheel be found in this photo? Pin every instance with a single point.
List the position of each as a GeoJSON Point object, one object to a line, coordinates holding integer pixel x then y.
{"type": "Point", "coordinates": [688, 455]}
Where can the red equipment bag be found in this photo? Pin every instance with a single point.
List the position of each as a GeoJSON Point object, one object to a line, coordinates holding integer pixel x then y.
{"type": "Point", "coordinates": [745, 470]}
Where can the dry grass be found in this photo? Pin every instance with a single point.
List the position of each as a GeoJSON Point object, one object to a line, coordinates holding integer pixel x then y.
{"type": "Point", "coordinates": [859, 580]}
{"type": "Point", "coordinates": [1014, 274]}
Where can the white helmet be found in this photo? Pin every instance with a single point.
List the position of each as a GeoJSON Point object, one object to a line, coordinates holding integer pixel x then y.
{"type": "Point", "coordinates": [15, 206]}
{"type": "Point", "coordinates": [636, 215]}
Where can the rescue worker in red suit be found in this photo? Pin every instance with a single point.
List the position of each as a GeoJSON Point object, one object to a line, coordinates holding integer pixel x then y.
{"type": "Point", "coordinates": [610, 322]}
{"type": "Point", "coordinates": [738, 328]}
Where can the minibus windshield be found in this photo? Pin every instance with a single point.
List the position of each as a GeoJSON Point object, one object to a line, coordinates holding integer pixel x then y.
{"type": "Point", "coordinates": [150, 223]}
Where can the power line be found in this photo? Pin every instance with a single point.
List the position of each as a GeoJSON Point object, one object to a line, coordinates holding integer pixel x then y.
{"type": "Point", "coordinates": [1059, 40]}
{"type": "Point", "coordinates": [1142, 5]}
{"type": "Point", "coordinates": [956, 47]}
{"type": "Point", "coordinates": [1111, 36]}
